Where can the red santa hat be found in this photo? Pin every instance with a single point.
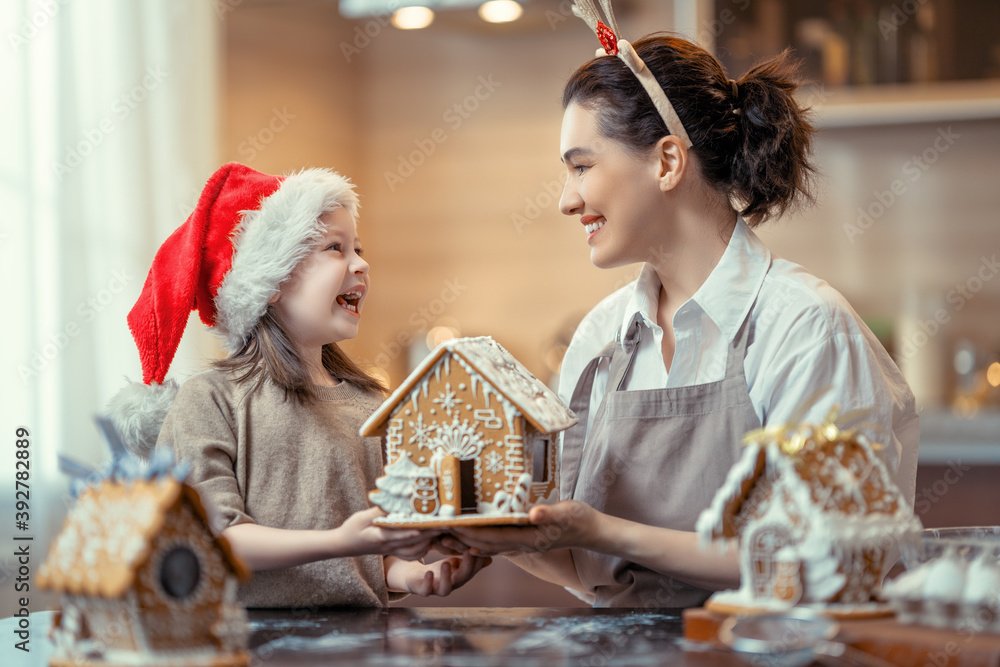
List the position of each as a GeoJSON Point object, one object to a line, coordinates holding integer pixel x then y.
{"type": "Point", "coordinates": [244, 238]}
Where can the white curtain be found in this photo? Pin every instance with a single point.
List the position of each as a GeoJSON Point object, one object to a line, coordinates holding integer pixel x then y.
{"type": "Point", "coordinates": [109, 110]}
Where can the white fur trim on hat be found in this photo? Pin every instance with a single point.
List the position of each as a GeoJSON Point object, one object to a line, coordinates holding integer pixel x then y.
{"type": "Point", "coordinates": [271, 241]}
{"type": "Point", "coordinates": [138, 411]}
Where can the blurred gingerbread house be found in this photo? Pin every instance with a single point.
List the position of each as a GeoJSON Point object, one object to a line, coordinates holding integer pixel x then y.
{"type": "Point", "coordinates": [470, 438]}
{"type": "Point", "coordinates": [815, 514]}
{"type": "Point", "coordinates": [143, 581]}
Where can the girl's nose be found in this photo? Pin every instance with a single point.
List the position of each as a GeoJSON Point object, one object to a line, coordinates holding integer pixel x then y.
{"type": "Point", "coordinates": [360, 265]}
{"type": "Point", "coordinates": [570, 203]}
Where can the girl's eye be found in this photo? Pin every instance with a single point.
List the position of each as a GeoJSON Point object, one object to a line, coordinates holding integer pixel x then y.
{"type": "Point", "coordinates": [334, 246]}
{"type": "Point", "coordinates": [360, 251]}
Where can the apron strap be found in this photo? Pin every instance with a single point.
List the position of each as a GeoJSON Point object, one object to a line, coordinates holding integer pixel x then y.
{"type": "Point", "coordinates": [621, 364]}
{"type": "Point", "coordinates": [573, 439]}
{"type": "Point", "coordinates": [738, 348]}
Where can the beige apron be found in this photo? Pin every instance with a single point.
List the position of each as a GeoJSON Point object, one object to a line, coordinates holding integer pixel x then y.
{"type": "Point", "coordinates": [654, 456]}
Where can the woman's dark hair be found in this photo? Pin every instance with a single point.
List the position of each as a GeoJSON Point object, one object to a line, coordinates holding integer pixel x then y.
{"type": "Point", "coordinates": [268, 354]}
{"type": "Point", "coordinates": [753, 140]}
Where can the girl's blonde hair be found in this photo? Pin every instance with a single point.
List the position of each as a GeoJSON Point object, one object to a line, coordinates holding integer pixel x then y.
{"type": "Point", "coordinates": [269, 355]}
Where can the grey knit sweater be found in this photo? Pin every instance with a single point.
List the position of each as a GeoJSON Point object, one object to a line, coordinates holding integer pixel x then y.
{"type": "Point", "coordinates": [259, 458]}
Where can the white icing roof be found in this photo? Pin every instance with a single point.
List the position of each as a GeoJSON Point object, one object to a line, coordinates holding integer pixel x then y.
{"type": "Point", "coordinates": [483, 355]}
{"type": "Point", "coordinates": [847, 489]}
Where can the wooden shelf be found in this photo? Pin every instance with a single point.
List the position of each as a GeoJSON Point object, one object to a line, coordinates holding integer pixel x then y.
{"type": "Point", "coordinates": [902, 104]}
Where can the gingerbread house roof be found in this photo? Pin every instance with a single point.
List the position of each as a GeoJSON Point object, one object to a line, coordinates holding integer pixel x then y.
{"type": "Point", "coordinates": [498, 371]}
{"type": "Point", "coordinates": [109, 532]}
{"type": "Point", "coordinates": [829, 474]}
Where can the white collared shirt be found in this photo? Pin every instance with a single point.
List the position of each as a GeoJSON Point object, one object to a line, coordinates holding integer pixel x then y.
{"type": "Point", "coordinates": [806, 337]}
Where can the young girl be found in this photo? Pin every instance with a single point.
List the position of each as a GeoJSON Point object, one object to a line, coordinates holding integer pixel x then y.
{"type": "Point", "coordinates": [274, 265]}
{"type": "Point", "coordinates": [716, 337]}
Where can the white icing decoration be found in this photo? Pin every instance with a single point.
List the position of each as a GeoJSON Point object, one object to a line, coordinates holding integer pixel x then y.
{"type": "Point", "coordinates": [448, 400]}
{"type": "Point", "coordinates": [504, 503]}
{"type": "Point", "coordinates": [829, 544]}
{"type": "Point", "coordinates": [494, 462]}
{"type": "Point", "coordinates": [397, 487]}
{"type": "Point", "coordinates": [460, 439]}
{"type": "Point", "coordinates": [421, 432]}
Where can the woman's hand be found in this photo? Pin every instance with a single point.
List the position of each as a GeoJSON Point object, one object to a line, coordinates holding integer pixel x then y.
{"type": "Point", "coordinates": [360, 537]}
{"type": "Point", "coordinates": [437, 578]}
{"type": "Point", "coordinates": [569, 523]}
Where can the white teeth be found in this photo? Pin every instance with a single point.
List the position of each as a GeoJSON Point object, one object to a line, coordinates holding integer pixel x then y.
{"type": "Point", "coordinates": [593, 227]}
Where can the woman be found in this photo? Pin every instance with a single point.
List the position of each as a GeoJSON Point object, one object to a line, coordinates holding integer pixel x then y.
{"type": "Point", "coordinates": [716, 337]}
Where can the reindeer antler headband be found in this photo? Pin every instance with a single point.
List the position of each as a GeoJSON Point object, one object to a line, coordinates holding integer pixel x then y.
{"type": "Point", "coordinates": [616, 46]}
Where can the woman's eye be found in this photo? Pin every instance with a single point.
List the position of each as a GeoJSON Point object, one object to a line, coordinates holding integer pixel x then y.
{"type": "Point", "coordinates": [580, 168]}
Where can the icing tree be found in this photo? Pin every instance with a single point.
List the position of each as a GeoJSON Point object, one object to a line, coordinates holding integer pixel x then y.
{"type": "Point", "coordinates": [405, 488]}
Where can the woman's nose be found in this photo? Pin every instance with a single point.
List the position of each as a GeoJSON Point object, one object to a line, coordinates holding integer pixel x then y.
{"type": "Point", "coordinates": [570, 203]}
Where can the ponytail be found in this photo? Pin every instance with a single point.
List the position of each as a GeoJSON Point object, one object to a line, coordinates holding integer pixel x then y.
{"type": "Point", "coordinates": [753, 141]}
{"type": "Point", "coordinates": [771, 171]}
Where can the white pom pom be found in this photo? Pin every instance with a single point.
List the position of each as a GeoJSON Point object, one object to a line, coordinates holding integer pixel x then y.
{"type": "Point", "coordinates": [138, 411]}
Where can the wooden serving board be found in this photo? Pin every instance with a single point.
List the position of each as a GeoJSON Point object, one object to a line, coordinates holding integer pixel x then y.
{"type": "Point", "coordinates": [884, 638]}
{"type": "Point", "coordinates": [456, 522]}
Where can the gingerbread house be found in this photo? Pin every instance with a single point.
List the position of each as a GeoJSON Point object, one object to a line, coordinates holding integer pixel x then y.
{"type": "Point", "coordinates": [470, 438]}
{"type": "Point", "coordinates": [143, 581]}
{"type": "Point", "coordinates": [815, 514]}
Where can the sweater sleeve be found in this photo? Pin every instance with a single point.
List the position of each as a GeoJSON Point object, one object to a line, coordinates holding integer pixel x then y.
{"type": "Point", "coordinates": [200, 426]}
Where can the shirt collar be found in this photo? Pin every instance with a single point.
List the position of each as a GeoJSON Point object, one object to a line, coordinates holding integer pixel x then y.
{"type": "Point", "coordinates": [726, 296]}
{"type": "Point", "coordinates": [732, 287]}
{"type": "Point", "coordinates": [644, 300]}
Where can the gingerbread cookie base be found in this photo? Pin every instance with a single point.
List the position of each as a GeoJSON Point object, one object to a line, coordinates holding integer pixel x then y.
{"type": "Point", "coordinates": [721, 604]}
{"type": "Point", "coordinates": [470, 520]}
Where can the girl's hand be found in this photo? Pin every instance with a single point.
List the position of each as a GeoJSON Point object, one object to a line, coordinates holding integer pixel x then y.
{"type": "Point", "coordinates": [364, 538]}
{"type": "Point", "coordinates": [443, 576]}
{"type": "Point", "coordinates": [569, 523]}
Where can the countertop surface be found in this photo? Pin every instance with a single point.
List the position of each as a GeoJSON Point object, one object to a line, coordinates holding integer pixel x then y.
{"type": "Point", "coordinates": [449, 636]}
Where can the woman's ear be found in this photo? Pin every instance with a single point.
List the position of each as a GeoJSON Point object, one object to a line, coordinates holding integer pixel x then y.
{"type": "Point", "coordinates": [671, 157]}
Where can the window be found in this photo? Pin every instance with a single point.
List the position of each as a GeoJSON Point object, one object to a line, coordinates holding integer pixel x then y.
{"type": "Point", "coordinates": [180, 572]}
{"type": "Point", "coordinates": [540, 460]}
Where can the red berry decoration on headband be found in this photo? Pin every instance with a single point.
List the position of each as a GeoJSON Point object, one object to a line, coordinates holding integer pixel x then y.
{"type": "Point", "coordinates": [608, 39]}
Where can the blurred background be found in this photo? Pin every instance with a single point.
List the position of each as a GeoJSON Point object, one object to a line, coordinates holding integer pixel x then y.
{"type": "Point", "coordinates": [447, 117]}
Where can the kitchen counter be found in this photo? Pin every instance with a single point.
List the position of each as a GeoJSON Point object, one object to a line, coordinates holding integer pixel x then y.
{"type": "Point", "coordinates": [528, 637]}
{"type": "Point", "coordinates": [450, 636]}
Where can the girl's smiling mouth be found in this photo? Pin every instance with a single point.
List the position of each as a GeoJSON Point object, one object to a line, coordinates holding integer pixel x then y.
{"type": "Point", "coordinates": [350, 301]}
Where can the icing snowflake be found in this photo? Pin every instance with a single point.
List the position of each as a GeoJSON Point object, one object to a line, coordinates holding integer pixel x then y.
{"type": "Point", "coordinates": [459, 439]}
{"type": "Point", "coordinates": [448, 400]}
{"type": "Point", "coordinates": [494, 462]}
{"type": "Point", "coordinates": [421, 432]}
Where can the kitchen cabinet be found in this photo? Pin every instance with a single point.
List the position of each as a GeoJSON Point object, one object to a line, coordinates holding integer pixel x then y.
{"type": "Point", "coordinates": [870, 62]}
